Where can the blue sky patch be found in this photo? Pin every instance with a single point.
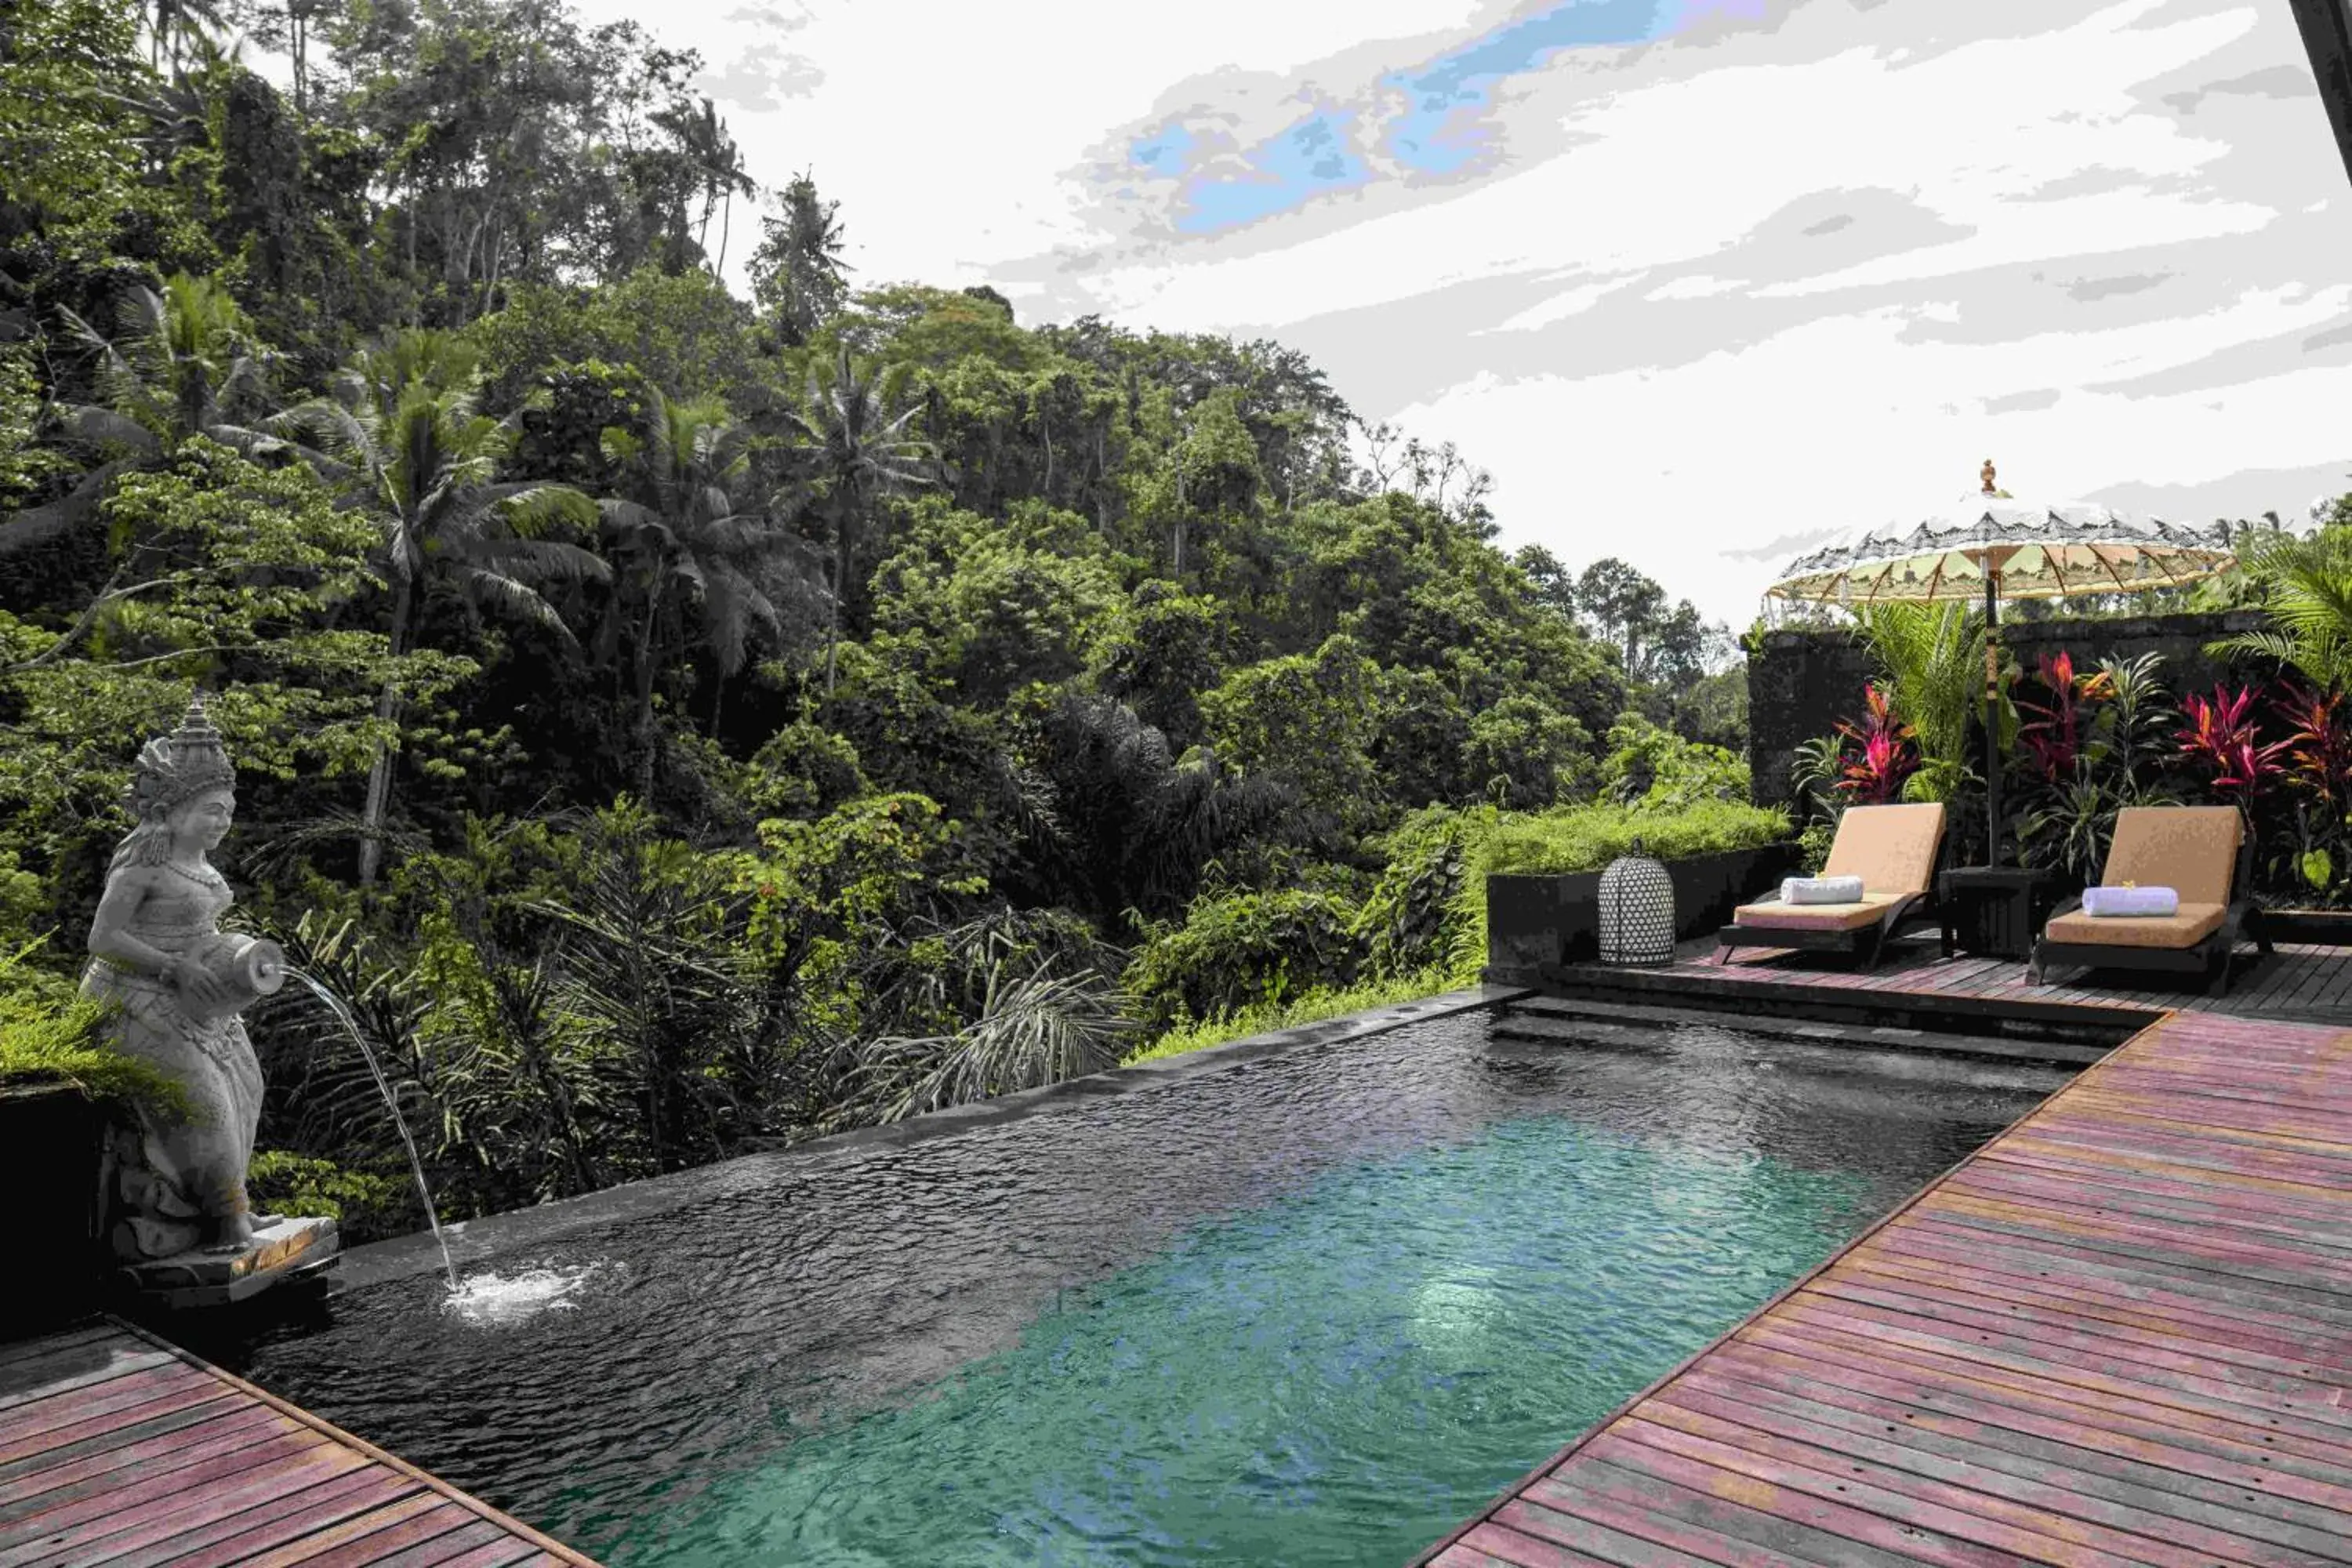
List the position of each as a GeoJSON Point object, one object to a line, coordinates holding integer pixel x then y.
{"type": "Point", "coordinates": [1440, 133]}
{"type": "Point", "coordinates": [1445, 126]}
{"type": "Point", "coordinates": [1311, 158]}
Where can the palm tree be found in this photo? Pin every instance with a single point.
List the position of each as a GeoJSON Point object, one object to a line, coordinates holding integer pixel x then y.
{"type": "Point", "coordinates": [797, 274]}
{"type": "Point", "coordinates": [1934, 658]}
{"type": "Point", "coordinates": [721, 165]}
{"type": "Point", "coordinates": [2307, 581]}
{"type": "Point", "coordinates": [680, 529]}
{"type": "Point", "coordinates": [178, 22]}
{"type": "Point", "coordinates": [854, 449]}
{"type": "Point", "coordinates": [182, 363]}
{"type": "Point", "coordinates": [403, 429]}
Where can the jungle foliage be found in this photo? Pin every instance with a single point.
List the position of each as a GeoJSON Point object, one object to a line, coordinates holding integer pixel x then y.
{"type": "Point", "coordinates": [674, 723]}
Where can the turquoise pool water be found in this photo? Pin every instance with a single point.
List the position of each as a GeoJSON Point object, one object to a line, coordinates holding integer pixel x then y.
{"type": "Point", "coordinates": [1312, 1309]}
{"type": "Point", "coordinates": [1339, 1377]}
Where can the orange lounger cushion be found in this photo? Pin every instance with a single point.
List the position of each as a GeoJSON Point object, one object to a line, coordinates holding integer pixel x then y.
{"type": "Point", "coordinates": [2192, 925]}
{"type": "Point", "coordinates": [1891, 848]}
{"type": "Point", "coordinates": [1816, 917]}
{"type": "Point", "coordinates": [2191, 848]}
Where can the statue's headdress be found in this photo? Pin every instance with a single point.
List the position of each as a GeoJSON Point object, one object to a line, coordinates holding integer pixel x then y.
{"type": "Point", "coordinates": [176, 768]}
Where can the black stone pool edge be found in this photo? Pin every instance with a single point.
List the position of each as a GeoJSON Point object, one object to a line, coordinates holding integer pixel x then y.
{"type": "Point", "coordinates": [480, 1240]}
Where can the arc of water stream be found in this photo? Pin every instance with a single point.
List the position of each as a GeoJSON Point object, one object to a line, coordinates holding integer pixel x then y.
{"type": "Point", "coordinates": [334, 1004]}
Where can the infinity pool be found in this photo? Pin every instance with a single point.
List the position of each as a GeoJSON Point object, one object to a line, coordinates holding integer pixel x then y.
{"type": "Point", "coordinates": [1314, 1308]}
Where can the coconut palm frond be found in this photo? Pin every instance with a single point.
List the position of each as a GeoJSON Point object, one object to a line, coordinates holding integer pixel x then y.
{"type": "Point", "coordinates": [97, 426]}
{"type": "Point", "coordinates": [489, 589]}
{"type": "Point", "coordinates": [2307, 594]}
{"type": "Point", "coordinates": [1933, 657]}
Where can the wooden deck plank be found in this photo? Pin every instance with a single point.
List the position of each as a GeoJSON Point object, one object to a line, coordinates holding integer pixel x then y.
{"type": "Point", "coordinates": [2138, 1501]}
{"type": "Point", "coordinates": [2031, 1301]}
{"type": "Point", "coordinates": [514, 1554]}
{"type": "Point", "coordinates": [2313, 984]}
{"type": "Point", "coordinates": [2299, 982]}
{"type": "Point", "coordinates": [1497, 1542]}
{"type": "Point", "coordinates": [2120, 1334]}
{"type": "Point", "coordinates": [79, 1366]}
{"type": "Point", "coordinates": [357, 1542]}
{"type": "Point", "coordinates": [101, 1474]}
{"type": "Point", "coordinates": [466, 1539]}
{"type": "Point", "coordinates": [233, 1538]}
{"type": "Point", "coordinates": [57, 1513]}
{"type": "Point", "coordinates": [2321, 1477]}
{"type": "Point", "coordinates": [102, 1450]}
{"type": "Point", "coordinates": [2023, 1444]}
{"type": "Point", "coordinates": [1714, 1528]}
{"type": "Point", "coordinates": [118, 1451]}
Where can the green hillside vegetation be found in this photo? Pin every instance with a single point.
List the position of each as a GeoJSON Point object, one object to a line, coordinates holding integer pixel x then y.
{"type": "Point", "coordinates": [677, 723]}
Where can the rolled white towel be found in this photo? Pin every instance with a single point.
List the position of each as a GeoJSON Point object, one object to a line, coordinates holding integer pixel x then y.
{"type": "Point", "coordinates": [1821, 890]}
{"type": "Point", "coordinates": [2130, 903]}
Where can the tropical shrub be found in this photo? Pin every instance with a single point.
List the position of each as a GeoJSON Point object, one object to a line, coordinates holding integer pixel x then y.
{"type": "Point", "coordinates": [1933, 659]}
{"type": "Point", "coordinates": [50, 1035]}
{"type": "Point", "coordinates": [1420, 915]}
{"type": "Point", "coordinates": [1007, 1002]}
{"type": "Point", "coordinates": [1651, 766]}
{"type": "Point", "coordinates": [364, 1205]}
{"type": "Point", "coordinates": [2221, 743]}
{"type": "Point", "coordinates": [1587, 838]}
{"type": "Point", "coordinates": [2307, 584]}
{"type": "Point", "coordinates": [1236, 949]}
{"type": "Point", "coordinates": [2087, 747]}
{"type": "Point", "coordinates": [1883, 753]}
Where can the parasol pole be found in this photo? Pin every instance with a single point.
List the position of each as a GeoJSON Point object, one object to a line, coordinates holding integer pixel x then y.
{"type": "Point", "coordinates": [1992, 691]}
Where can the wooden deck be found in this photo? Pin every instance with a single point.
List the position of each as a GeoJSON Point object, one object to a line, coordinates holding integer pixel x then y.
{"type": "Point", "coordinates": [2297, 983]}
{"type": "Point", "coordinates": [2120, 1333]}
{"type": "Point", "coordinates": [119, 1451]}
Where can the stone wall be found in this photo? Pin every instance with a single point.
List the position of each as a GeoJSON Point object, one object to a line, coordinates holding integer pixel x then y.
{"type": "Point", "coordinates": [1801, 683]}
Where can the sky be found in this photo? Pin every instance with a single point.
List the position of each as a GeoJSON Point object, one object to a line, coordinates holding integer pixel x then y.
{"type": "Point", "coordinates": [1701, 282]}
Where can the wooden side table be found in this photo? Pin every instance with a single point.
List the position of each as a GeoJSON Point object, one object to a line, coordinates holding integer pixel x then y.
{"type": "Point", "coordinates": [1995, 911]}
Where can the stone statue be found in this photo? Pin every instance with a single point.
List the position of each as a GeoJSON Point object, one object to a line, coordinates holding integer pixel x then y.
{"type": "Point", "coordinates": [175, 985]}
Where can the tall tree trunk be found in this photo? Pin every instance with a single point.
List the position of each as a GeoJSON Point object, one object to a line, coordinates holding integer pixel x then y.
{"type": "Point", "coordinates": [725, 221]}
{"type": "Point", "coordinates": [1177, 569]}
{"type": "Point", "coordinates": [646, 737]}
{"type": "Point", "coordinates": [300, 23]}
{"type": "Point", "coordinates": [833, 606]}
{"type": "Point", "coordinates": [387, 709]}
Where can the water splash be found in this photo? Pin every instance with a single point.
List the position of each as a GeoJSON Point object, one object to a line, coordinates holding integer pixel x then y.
{"type": "Point", "coordinates": [334, 1004]}
{"type": "Point", "coordinates": [496, 1301]}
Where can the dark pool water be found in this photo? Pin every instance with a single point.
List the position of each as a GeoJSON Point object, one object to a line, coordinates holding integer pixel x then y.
{"type": "Point", "coordinates": [1315, 1308]}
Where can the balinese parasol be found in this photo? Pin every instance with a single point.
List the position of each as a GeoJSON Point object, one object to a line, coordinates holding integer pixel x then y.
{"type": "Point", "coordinates": [1994, 546]}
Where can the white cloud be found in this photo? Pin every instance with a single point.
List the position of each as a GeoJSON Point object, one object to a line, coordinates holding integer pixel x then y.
{"type": "Point", "coordinates": [1704, 295]}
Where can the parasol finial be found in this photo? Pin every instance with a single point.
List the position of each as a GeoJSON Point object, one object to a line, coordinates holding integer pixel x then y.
{"type": "Point", "coordinates": [1986, 474]}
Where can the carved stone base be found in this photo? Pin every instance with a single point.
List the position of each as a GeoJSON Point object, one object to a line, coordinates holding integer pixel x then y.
{"type": "Point", "coordinates": [294, 1247]}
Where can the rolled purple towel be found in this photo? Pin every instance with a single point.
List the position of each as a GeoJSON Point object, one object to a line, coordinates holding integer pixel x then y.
{"type": "Point", "coordinates": [2131, 902]}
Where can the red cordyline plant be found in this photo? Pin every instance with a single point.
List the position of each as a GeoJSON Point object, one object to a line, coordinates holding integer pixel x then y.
{"type": "Point", "coordinates": [2219, 740]}
{"type": "Point", "coordinates": [1885, 752]}
{"type": "Point", "coordinates": [2318, 748]}
{"type": "Point", "coordinates": [2055, 737]}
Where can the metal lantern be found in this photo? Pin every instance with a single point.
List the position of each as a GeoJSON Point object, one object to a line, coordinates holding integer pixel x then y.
{"type": "Point", "coordinates": [1637, 911]}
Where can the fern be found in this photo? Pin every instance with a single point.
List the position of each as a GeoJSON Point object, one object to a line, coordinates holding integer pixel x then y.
{"type": "Point", "coordinates": [1933, 656]}
{"type": "Point", "coordinates": [2307, 585]}
{"type": "Point", "coordinates": [49, 1035]}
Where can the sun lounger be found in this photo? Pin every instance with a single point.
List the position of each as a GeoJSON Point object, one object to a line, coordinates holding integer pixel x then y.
{"type": "Point", "coordinates": [1894, 850]}
{"type": "Point", "coordinates": [2205, 853]}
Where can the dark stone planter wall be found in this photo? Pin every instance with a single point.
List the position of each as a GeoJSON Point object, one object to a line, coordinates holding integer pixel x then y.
{"type": "Point", "coordinates": [1803, 682]}
{"type": "Point", "coordinates": [52, 1142]}
{"type": "Point", "coordinates": [1532, 921]}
